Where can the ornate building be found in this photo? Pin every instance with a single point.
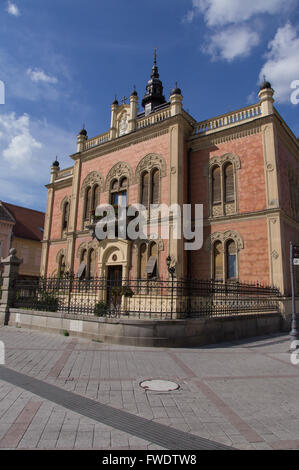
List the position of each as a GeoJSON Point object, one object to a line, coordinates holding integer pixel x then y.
{"type": "Point", "coordinates": [242, 166]}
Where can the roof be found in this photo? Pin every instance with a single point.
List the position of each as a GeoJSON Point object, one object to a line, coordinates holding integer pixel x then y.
{"type": "Point", "coordinates": [5, 215]}
{"type": "Point", "coordinates": [29, 223]}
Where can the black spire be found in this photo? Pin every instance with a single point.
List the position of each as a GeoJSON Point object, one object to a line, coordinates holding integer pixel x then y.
{"type": "Point", "coordinates": [154, 90]}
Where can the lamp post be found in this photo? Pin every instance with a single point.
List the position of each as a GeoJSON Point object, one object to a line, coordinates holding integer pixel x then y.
{"type": "Point", "coordinates": [171, 270]}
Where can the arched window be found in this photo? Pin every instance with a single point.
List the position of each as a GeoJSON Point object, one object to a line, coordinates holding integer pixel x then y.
{"type": "Point", "coordinates": [142, 261]}
{"type": "Point", "coordinates": [87, 205]}
{"type": "Point", "coordinates": [95, 197]}
{"type": "Point", "coordinates": [229, 185]}
{"type": "Point", "coordinates": [84, 257]}
{"type": "Point", "coordinates": [153, 253]}
{"type": "Point", "coordinates": [61, 266]}
{"type": "Point", "coordinates": [91, 264]}
{"type": "Point", "coordinates": [65, 217]}
{"type": "Point", "coordinates": [216, 185]}
{"type": "Point", "coordinates": [144, 189]}
{"type": "Point", "coordinates": [218, 261]}
{"type": "Point", "coordinates": [231, 260]}
{"type": "Point", "coordinates": [118, 192]}
{"type": "Point", "coordinates": [155, 189]}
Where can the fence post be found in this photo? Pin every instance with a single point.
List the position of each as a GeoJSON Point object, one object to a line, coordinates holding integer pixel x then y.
{"type": "Point", "coordinates": [10, 273]}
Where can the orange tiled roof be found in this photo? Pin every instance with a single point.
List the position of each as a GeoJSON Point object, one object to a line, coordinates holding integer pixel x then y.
{"type": "Point", "coordinates": [29, 223]}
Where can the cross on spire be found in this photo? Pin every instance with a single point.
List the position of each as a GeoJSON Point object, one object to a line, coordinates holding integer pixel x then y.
{"type": "Point", "coordinates": [124, 99]}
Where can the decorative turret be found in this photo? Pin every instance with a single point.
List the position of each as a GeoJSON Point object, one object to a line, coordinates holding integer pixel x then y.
{"type": "Point", "coordinates": [176, 101]}
{"type": "Point", "coordinates": [266, 98]}
{"type": "Point", "coordinates": [54, 170]}
{"type": "Point", "coordinates": [154, 90]}
{"type": "Point", "coordinates": [81, 139]}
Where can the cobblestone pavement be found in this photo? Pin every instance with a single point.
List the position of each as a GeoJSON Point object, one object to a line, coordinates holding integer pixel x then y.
{"type": "Point", "coordinates": [242, 394]}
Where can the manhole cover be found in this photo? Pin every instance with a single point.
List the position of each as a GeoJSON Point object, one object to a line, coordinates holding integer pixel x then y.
{"type": "Point", "coordinates": [159, 385]}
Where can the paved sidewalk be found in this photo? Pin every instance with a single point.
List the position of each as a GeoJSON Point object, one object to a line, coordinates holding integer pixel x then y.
{"type": "Point", "coordinates": [243, 395]}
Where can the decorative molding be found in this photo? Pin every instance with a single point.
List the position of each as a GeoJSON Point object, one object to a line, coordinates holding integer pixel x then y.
{"type": "Point", "coordinates": [64, 201]}
{"type": "Point", "coordinates": [149, 162]}
{"type": "Point", "coordinates": [224, 237]}
{"type": "Point", "coordinates": [274, 254]}
{"type": "Point", "coordinates": [158, 241]}
{"type": "Point", "coordinates": [203, 142]}
{"type": "Point", "coordinates": [92, 179]}
{"type": "Point", "coordinates": [221, 160]}
{"type": "Point", "coordinates": [60, 253]}
{"type": "Point", "coordinates": [92, 245]}
{"type": "Point", "coordinates": [117, 171]}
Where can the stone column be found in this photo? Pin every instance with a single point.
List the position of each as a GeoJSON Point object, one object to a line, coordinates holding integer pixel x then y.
{"type": "Point", "coordinates": [10, 274]}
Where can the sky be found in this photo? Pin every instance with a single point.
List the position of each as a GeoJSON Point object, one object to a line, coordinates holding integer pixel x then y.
{"type": "Point", "coordinates": [63, 61]}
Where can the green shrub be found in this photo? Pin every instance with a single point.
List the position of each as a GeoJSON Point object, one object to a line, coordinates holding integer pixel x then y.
{"type": "Point", "coordinates": [100, 309]}
{"type": "Point", "coordinates": [47, 302]}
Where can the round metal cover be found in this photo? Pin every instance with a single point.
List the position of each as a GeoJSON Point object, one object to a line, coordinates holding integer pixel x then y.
{"type": "Point", "coordinates": [159, 385]}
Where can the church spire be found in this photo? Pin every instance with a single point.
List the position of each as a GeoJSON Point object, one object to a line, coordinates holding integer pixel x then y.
{"type": "Point", "coordinates": [154, 89]}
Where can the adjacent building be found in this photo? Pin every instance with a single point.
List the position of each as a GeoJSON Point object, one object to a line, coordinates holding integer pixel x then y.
{"type": "Point", "coordinates": [22, 228]}
{"type": "Point", "coordinates": [243, 166]}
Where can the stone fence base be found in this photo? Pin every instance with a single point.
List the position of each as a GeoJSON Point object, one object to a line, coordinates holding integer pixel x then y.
{"type": "Point", "coordinates": [154, 333]}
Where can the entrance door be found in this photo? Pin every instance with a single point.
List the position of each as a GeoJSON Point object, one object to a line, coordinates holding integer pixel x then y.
{"type": "Point", "coordinates": [114, 287]}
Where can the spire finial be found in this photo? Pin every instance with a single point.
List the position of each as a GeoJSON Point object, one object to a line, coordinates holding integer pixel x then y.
{"type": "Point", "coordinates": [155, 56]}
{"type": "Point", "coordinates": [56, 162]}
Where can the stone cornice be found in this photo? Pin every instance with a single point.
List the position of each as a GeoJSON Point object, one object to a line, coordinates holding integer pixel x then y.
{"type": "Point", "coordinates": [60, 184]}
{"type": "Point", "coordinates": [241, 216]}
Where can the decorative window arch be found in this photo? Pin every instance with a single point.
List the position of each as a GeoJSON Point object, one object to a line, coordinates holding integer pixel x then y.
{"type": "Point", "coordinates": [118, 172]}
{"type": "Point", "coordinates": [223, 194]}
{"type": "Point", "coordinates": [224, 248]}
{"type": "Point", "coordinates": [144, 249]}
{"type": "Point", "coordinates": [87, 253]}
{"type": "Point", "coordinates": [149, 172]}
{"type": "Point", "coordinates": [90, 191]}
{"type": "Point", "coordinates": [61, 263]}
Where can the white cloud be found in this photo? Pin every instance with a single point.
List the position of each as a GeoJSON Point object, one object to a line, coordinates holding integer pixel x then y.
{"type": "Point", "coordinates": [282, 65]}
{"type": "Point", "coordinates": [222, 12]}
{"type": "Point", "coordinates": [21, 147]}
{"type": "Point", "coordinates": [27, 149]}
{"type": "Point", "coordinates": [12, 9]}
{"type": "Point", "coordinates": [38, 75]}
{"type": "Point", "coordinates": [232, 42]}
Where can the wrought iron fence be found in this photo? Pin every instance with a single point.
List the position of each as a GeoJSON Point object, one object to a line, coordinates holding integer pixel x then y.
{"type": "Point", "coordinates": [145, 298]}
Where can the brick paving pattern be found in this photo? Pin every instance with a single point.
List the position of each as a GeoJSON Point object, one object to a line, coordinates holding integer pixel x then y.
{"type": "Point", "coordinates": [242, 395]}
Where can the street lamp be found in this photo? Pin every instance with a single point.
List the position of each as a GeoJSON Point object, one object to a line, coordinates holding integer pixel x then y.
{"type": "Point", "coordinates": [171, 270]}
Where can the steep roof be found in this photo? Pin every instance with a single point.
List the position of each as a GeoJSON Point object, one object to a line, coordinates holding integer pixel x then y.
{"type": "Point", "coordinates": [29, 223]}
{"type": "Point", "coordinates": [5, 215]}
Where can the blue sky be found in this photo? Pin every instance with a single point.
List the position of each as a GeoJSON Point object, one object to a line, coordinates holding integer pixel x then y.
{"type": "Point", "coordinates": [62, 62]}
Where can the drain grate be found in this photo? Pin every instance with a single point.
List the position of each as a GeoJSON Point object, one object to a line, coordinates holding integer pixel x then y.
{"type": "Point", "coordinates": [158, 385]}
